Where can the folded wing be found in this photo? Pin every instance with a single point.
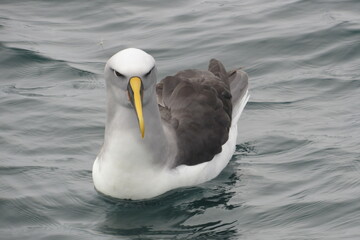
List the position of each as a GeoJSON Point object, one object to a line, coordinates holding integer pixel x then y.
{"type": "Point", "coordinates": [197, 105]}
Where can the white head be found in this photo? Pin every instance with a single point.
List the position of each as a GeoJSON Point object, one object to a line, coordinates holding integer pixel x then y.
{"type": "Point", "coordinates": [130, 79]}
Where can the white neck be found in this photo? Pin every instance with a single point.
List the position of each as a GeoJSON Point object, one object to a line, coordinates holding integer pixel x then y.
{"type": "Point", "coordinates": [123, 143]}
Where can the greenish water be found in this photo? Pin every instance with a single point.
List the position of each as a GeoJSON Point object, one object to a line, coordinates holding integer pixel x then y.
{"type": "Point", "coordinates": [296, 171]}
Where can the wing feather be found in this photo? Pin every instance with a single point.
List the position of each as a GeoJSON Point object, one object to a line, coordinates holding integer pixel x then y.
{"type": "Point", "coordinates": [198, 106]}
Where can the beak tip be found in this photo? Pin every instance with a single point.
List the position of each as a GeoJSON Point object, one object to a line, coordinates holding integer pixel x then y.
{"type": "Point", "coordinates": [142, 133]}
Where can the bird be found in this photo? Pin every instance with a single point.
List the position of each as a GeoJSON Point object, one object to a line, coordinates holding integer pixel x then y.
{"type": "Point", "coordinates": [159, 136]}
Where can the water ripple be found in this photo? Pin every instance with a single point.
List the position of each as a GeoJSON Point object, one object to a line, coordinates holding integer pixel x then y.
{"type": "Point", "coordinates": [295, 171]}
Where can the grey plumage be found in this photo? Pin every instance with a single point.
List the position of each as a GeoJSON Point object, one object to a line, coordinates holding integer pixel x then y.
{"type": "Point", "coordinates": [197, 105]}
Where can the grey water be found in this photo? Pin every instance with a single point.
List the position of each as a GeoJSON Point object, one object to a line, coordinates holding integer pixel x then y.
{"type": "Point", "coordinates": [296, 170]}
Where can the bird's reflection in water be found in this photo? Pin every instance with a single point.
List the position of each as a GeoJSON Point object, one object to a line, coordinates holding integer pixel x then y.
{"type": "Point", "coordinates": [180, 213]}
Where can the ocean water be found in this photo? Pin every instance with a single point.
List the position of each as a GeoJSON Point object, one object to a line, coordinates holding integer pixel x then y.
{"type": "Point", "coordinates": [296, 170]}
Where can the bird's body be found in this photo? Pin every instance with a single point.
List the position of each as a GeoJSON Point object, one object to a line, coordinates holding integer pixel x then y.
{"type": "Point", "coordinates": [188, 125]}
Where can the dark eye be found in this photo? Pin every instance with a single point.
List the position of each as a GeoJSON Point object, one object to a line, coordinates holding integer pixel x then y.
{"type": "Point", "coordinates": [148, 73]}
{"type": "Point", "coordinates": [118, 74]}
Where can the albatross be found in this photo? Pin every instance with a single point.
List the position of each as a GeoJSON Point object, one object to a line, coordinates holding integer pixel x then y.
{"type": "Point", "coordinates": [161, 136]}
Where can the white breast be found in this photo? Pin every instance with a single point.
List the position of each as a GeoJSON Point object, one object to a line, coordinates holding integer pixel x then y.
{"type": "Point", "coordinates": [138, 178]}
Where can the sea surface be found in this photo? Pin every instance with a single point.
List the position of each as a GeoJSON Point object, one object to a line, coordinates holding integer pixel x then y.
{"type": "Point", "coordinates": [296, 170]}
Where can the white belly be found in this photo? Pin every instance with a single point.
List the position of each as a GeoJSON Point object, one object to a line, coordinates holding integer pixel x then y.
{"type": "Point", "coordinates": [141, 179]}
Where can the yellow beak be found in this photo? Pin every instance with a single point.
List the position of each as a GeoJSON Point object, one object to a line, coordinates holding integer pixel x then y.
{"type": "Point", "coordinates": [135, 90]}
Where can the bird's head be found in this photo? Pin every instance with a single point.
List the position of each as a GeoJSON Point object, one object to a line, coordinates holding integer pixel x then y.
{"type": "Point", "coordinates": [131, 76]}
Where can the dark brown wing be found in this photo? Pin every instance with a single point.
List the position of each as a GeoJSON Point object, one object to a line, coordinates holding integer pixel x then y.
{"type": "Point", "coordinates": [197, 105]}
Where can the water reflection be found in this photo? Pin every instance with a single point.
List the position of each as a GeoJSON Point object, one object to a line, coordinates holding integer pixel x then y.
{"type": "Point", "coordinates": [182, 212]}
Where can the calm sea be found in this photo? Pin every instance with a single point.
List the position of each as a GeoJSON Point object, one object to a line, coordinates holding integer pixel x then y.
{"type": "Point", "coordinates": [295, 173]}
